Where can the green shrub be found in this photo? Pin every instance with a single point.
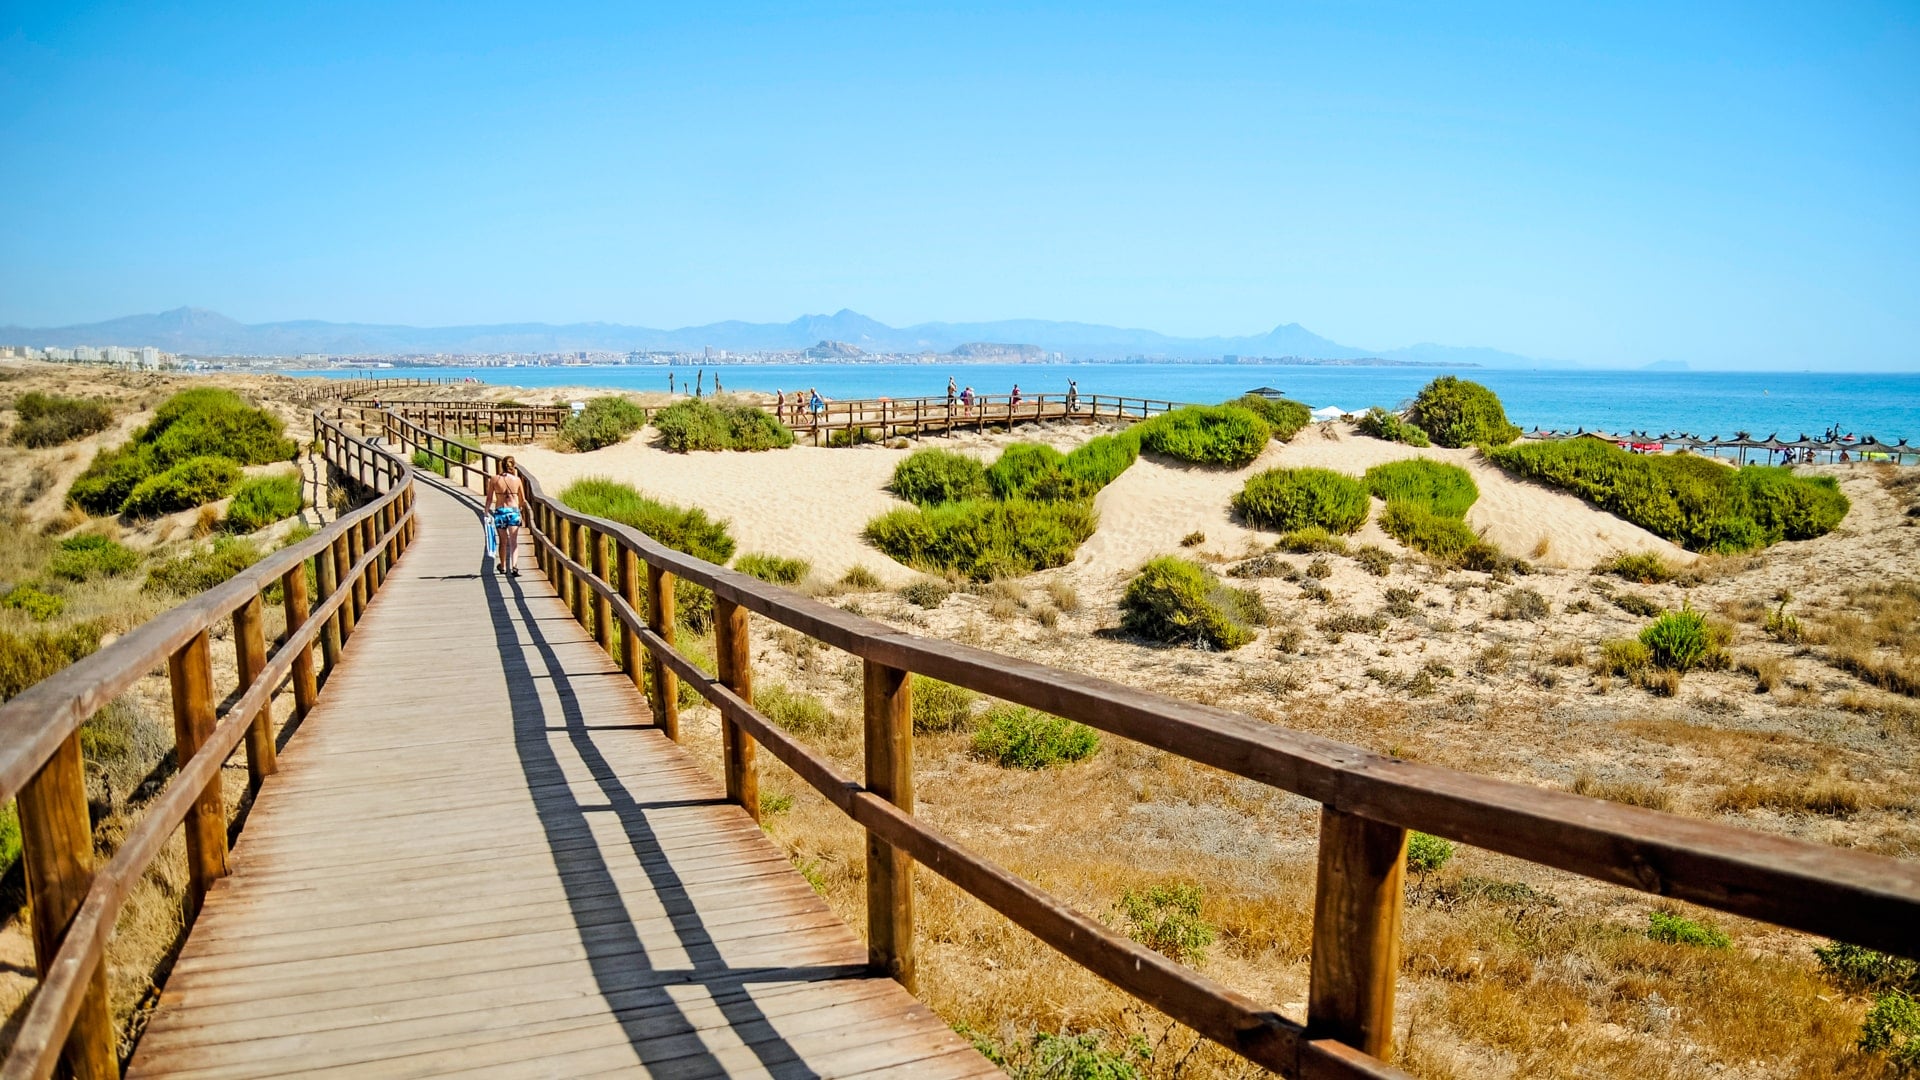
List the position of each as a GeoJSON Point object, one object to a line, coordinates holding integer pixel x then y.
{"type": "Point", "coordinates": [1443, 489]}
{"type": "Point", "coordinates": [1375, 560]}
{"type": "Point", "coordinates": [201, 569]}
{"type": "Point", "coordinates": [1180, 602]}
{"type": "Point", "coordinates": [684, 529]}
{"type": "Point", "coordinates": [1285, 417]}
{"type": "Point", "coordinates": [1455, 412]}
{"type": "Point", "coordinates": [1206, 435]}
{"type": "Point", "coordinates": [263, 500]}
{"type": "Point", "coordinates": [1026, 468]}
{"type": "Point", "coordinates": [1698, 503]}
{"type": "Point", "coordinates": [1101, 460]}
{"type": "Point", "coordinates": [853, 436]}
{"type": "Point", "coordinates": [931, 477]}
{"type": "Point", "coordinates": [1859, 970]}
{"type": "Point", "coordinates": [109, 479]}
{"type": "Point", "coordinates": [861, 578]}
{"type": "Point", "coordinates": [35, 604]}
{"type": "Point", "coordinates": [1166, 919]}
{"type": "Point", "coordinates": [1447, 539]}
{"type": "Point", "coordinates": [9, 837]}
{"type": "Point", "coordinates": [190, 483]}
{"type": "Point", "coordinates": [704, 425]}
{"type": "Point", "coordinates": [1892, 1027]}
{"type": "Point", "coordinates": [941, 706]}
{"type": "Point", "coordinates": [603, 421]}
{"type": "Point", "coordinates": [1643, 567]}
{"type": "Point", "coordinates": [1291, 499]}
{"type": "Point", "coordinates": [26, 658]}
{"type": "Point", "coordinates": [1382, 424]}
{"type": "Point", "coordinates": [1312, 540]}
{"type": "Point", "coordinates": [1635, 604]}
{"type": "Point", "coordinates": [210, 422]}
{"type": "Point", "coordinates": [984, 539]}
{"type": "Point", "coordinates": [926, 592]}
{"type": "Point", "coordinates": [1425, 854]}
{"type": "Point", "coordinates": [802, 714]}
{"type": "Point", "coordinates": [1680, 640]}
{"type": "Point", "coordinates": [1680, 930]}
{"type": "Point", "coordinates": [1020, 738]}
{"type": "Point", "coordinates": [90, 555]}
{"type": "Point", "coordinates": [50, 420]}
{"type": "Point", "coordinates": [1625, 656]}
{"type": "Point", "coordinates": [426, 462]}
{"type": "Point", "coordinates": [777, 569]}
{"type": "Point", "coordinates": [1079, 1057]}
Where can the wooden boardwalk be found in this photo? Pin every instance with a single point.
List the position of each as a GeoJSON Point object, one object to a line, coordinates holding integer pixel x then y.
{"type": "Point", "coordinates": [479, 857]}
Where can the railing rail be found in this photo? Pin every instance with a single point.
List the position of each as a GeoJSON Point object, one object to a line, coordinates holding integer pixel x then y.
{"type": "Point", "coordinates": [885, 418]}
{"type": "Point", "coordinates": [73, 903]}
{"type": "Point", "coordinates": [327, 389]}
{"type": "Point", "coordinates": [1369, 801]}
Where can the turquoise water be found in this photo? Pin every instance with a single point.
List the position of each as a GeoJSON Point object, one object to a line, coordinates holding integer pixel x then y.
{"type": "Point", "coordinates": [1702, 403]}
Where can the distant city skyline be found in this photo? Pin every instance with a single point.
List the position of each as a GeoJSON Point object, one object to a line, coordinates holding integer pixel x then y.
{"type": "Point", "coordinates": [1719, 185]}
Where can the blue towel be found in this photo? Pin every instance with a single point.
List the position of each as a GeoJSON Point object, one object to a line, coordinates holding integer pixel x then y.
{"type": "Point", "coordinates": [493, 541]}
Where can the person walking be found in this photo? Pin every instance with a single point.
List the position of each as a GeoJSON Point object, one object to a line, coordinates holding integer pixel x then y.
{"type": "Point", "coordinates": [1013, 399]}
{"type": "Point", "coordinates": [816, 404]}
{"type": "Point", "coordinates": [780, 405]}
{"type": "Point", "coordinates": [504, 497]}
{"type": "Point", "coordinates": [966, 399]}
{"type": "Point", "coordinates": [952, 393]}
{"type": "Point", "coordinates": [1073, 396]}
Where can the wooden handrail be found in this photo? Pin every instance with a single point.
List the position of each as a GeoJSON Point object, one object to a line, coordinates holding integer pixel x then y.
{"type": "Point", "coordinates": [1369, 803]}
{"type": "Point", "coordinates": [74, 906]}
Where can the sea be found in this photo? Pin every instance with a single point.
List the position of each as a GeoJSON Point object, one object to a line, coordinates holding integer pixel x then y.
{"type": "Point", "coordinates": [1789, 404]}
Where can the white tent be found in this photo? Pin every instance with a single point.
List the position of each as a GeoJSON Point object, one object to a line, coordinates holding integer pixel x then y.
{"type": "Point", "coordinates": [1329, 412]}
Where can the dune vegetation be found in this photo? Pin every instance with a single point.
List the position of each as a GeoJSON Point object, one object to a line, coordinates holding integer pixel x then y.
{"type": "Point", "coordinates": [603, 421]}
{"type": "Point", "coordinates": [1292, 499]}
{"type": "Point", "coordinates": [54, 420]}
{"type": "Point", "coordinates": [1455, 413]}
{"type": "Point", "coordinates": [189, 454]}
{"type": "Point", "coordinates": [701, 424]}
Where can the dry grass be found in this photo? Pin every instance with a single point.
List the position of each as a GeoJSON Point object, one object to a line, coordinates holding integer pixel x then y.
{"type": "Point", "coordinates": [1631, 793]}
{"type": "Point", "coordinates": [1825, 797]}
{"type": "Point", "coordinates": [1876, 637]}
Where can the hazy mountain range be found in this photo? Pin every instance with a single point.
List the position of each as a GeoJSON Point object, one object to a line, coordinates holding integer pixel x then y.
{"type": "Point", "coordinates": [198, 332]}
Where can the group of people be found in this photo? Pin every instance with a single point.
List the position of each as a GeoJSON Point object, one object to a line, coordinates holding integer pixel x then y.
{"type": "Point", "coordinates": [804, 401]}
{"type": "Point", "coordinates": [965, 398]}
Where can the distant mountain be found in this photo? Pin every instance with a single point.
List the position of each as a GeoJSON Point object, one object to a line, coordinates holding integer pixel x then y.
{"type": "Point", "coordinates": [198, 332]}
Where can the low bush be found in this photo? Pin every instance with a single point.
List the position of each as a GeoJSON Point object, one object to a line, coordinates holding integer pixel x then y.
{"type": "Point", "coordinates": [1443, 489]}
{"type": "Point", "coordinates": [1679, 930]}
{"type": "Point", "coordinates": [1030, 471]}
{"type": "Point", "coordinates": [1285, 417]}
{"type": "Point", "coordinates": [426, 462]}
{"type": "Point", "coordinates": [603, 421]}
{"type": "Point", "coordinates": [1312, 540]}
{"type": "Point", "coordinates": [1341, 623]}
{"type": "Point", "coordinates": [860, 578]}
{"type": "Point", "coordinates": [1522, 604]}
{"type": "Point", "coordinates": [1425, 854]}
{"type": "Point", "coordinates": [201, 569]}
{"type": "Point", "coordinates": [1640, 567]}
{"type": "Point", "coordinates": [684, 529]}
{"type": "Point", "coordinates": [1206, 435]}
{"type": "Point", "coordinates": [1683, 640]}
{"type": "Point", "coordinates": [1624, 656]}
{"type": "Point", "coordinates": [1101, 460]}
{"type": "Point", "coordinates": [776, 569]}
{"type": "Point", "coordinates": [1264, 566]}
{"type": "Point", "coordinates": [1861, 970]}
{"type": "Point", "coordinates": [1449, 540]}
{"type": "Point", "coordinates": [1292, 499]}
{"type": "Point", "coordinates": [263, 500]}
{"type": "Point", "coordinates": [1636, 604]}
{"type": "Point", "coordinates": [1180, 602]}
{"type": "Point", "coordinates": [1892, 1027]}
{"type": "Point", "coordinates": [26, 658]}
{"type": "Point", "coordinates": [50, 420]}
{"type": "Point", "coordinates": [705, 425]}
{"type": "Point", "coordinates": [1166, 919]}
{"type": "Point", "coordinates": [1455, 412]}
{"type": "Point", "coordinates": [1374, 559]}
{"type": "Point", "coordinates": [931, 477]}
{"type": "Point", "coordinates": [1382, 424]}
{"type": "Point", "coordinates": [802, 714]}
{"type": "Point", "coordinates": [1698, 503]}
{"type": "Point", "coordinates": [926, 592]}
{"type": "Point", "coordinates": [200, 423]}
{"type": "Point", "coordinates": [1020, 738]}
{"type": "Point", "coordinates": [984, 539]}
{"type": "Point", "coordinates": [941, 706]}
{"type": "Point", "coordinates": [33, 603]}
{"type": "Point", "coordinates": [89, 556]}
{"type": "Point", "coordinates": [190, 483]}
{"type": "Point", "coordinates": [853, 436]}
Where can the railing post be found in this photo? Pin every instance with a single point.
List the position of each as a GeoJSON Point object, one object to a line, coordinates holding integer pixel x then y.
{"type": "Point", "coordinates": [735, 662]}
{"type": "Point", "coordinates": [190, 671]}
{"type": "Point", "coordinates": [582, 595]}
{"type": "Point", "coordinates": [57, 849]}
{"type": "Point", "coordinates": [357, 550]}
{"type": "Point", "coordinates": [602, 607]}
{"type": "Point", "coordinates": [293, 590]}
{"type": "Point", "coordinates": [630, 592]}
{"type": "Point", "coordinates": [1358, 897]}
{"type": "Point", "coordinates": [563, 542]}
{"type": "Point", "coordinates": [666, 684]}
{"type": "Point", "coordinates": [343, 568]}
{"type": "Point", "coordinates": [250, 657]}
{"type": "Point", "coordinates": [889, 744]}
{"type": "Point", "coordinates": [328, 580]}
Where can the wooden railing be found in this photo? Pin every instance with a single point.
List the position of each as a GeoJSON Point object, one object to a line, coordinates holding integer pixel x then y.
{"type": "Point", "coordinates": [482, 420]}
{"type": "Point", "coordinates": [74, 903]}
{"type": "Point", "coordinates": [886, 418]}
{"type": "Point", "coordinates": [619, 583]}
{"type": "Point", "coordinates": [347, 389]}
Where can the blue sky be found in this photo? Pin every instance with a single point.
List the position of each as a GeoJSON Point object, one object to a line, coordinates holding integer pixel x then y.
{"type": "Point", "coordinates": [1729, 185]}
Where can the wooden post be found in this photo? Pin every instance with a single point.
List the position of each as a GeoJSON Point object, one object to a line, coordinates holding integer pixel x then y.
{"type": "Point", "coordinates": [327, 580]}
{"type": "Point", "coordinates": [582, 595]}
{"type": "Point", "coordinates": [563, 581]}
{"type": "Point", "coordinates": [1356, 931]}
{"type": "Point", "coordinates": [889, 743]}
{"type": "Point", "coordinates": [356, 550]}
{"type": "Point", "coordinates": [630, 592]}
{"type": "Point", "coordinates": [736, 672]}
{"type": "Point", "coordinates": [57, 851]}
{"type": "Point", "coordinates": [190, 671]}
{"type": "Point", "coordinates": [602, 607]}
{"type": "Point", "coordinates": [250, 658]}
{"type": "Point", "coordinates": [342, 568]}
{"type": "Point", "coordinates": [306, 688]}
{"type": "Point", "coordinates": [666, 685]}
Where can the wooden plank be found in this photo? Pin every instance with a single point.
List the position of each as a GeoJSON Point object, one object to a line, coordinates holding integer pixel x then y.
{"type": "Point", "coordinates": [1356, 932]}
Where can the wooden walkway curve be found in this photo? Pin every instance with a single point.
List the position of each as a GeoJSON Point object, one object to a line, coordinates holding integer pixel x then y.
{"type": "Point", "coordinates": [480, 857]}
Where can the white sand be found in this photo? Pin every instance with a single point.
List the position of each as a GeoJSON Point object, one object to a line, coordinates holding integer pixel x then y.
{"type": "Point", "coordinates": [812, 502]}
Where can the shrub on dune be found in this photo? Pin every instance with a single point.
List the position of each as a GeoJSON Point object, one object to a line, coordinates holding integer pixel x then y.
{"type": "Point", "coordinates": [705, 425]}
{"type": "Point", "coordinates": [1206, 435]}
{"type": "Point", "coordinates": [50, 420]}
{"type": "Point", "coordinates": [1285, 417]}
{"type": "Point", "coordinates": [931, 477]}
{"type": "Point", "coordinates": [183, 486]}
{"type": "Point", "coordinates": [685, 529]}
{"type": "Point", "coordinates": [604, 421]}
{"type": "Point", "coordinates": [263, 500]}
{"type": "Point", "coordinates": [195, 424]}
{"type": "Point", "coordinates": [776, 569]}
{"type": "Point", "coordinates": [1290, 499]}
{"type": "Point", "coordinates": [1180, 602]}
{"type": "Point", "coordinates": [984, 538]}
{"type": "Point", "coordinates": [1447, 490]}
{"type": "Point", "coordinates": [1391, 427]}
{"type": "Point", "coordinates": [1456, 413]}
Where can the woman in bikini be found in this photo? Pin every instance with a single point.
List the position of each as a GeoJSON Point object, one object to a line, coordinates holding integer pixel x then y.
{"type": "Point", "coordinates": [504, 493]}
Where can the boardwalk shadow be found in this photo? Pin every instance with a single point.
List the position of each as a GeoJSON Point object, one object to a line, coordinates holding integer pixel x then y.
{"type": "Point", "coordinates": [662, 1036]}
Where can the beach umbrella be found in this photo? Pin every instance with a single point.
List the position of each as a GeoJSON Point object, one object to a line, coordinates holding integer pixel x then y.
{"type": "Point", "coordinates": [1328, 412]}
